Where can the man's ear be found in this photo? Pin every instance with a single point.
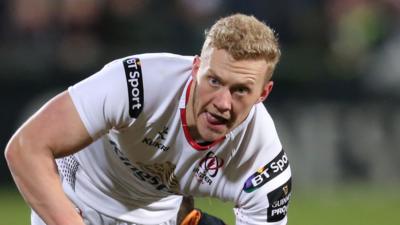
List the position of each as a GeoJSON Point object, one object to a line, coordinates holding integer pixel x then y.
{"type": "Point", "coordinates": [266, 90]}
{"type": "Point", "coordinates": [195, 67]}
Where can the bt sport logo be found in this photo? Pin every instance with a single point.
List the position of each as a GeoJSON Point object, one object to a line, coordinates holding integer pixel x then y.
{"type": "Point", "coordinates": [267, 172]}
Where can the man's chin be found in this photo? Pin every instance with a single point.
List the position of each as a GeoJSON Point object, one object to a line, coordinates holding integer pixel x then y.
{"type": "Point", "coordinates": [210, 132]}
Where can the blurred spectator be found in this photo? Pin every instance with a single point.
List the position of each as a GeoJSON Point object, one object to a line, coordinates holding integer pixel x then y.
{"type": "Point", "coordinates": [192, 17]}
{"type": "Point", "coordinates": [28, 34]}
{"type": "Point", "coordinates": [359, 28]}
{"type": "Point", "coordinates": [32, 16]}
{"type": "Point", "coordinates": [127, 8]}
{"type": "Point", "coordinates": [80, 14]}
{"type": "Point", "coordinates": [382, 67]}
{"type": "Point", "coordinates": [199, 13]}
{"type": "Point", "coordinates": [79, 49]}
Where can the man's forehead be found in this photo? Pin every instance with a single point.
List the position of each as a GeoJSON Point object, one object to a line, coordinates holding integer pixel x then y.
{"type": "Point", "coordinates": [219, 58]}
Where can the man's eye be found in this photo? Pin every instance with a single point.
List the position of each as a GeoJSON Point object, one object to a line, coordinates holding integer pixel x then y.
{"type": "Point", "coordinates": [213, 82]}
{"type": "Point", "coordinates": [242, 90]}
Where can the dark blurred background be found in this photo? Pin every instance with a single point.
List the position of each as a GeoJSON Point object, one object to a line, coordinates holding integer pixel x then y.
{"type": "Point", "coordinates": [337, 87]}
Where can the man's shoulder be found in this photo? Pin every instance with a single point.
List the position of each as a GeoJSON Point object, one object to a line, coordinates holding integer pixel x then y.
{"type": "Point", "coordinates": [161, 57]}
{"type": "Point", "coordinates": [155, 60]}
{"type": "Point", "coordinates": [257, 133]}
{"type": "Point", "coordinates": [157, 80]}
{"type": "Point", "coordinates": [262, 122]}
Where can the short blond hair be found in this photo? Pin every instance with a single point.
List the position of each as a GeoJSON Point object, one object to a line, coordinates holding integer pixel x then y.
{"type": "Point", "coordinates": [244, 37]}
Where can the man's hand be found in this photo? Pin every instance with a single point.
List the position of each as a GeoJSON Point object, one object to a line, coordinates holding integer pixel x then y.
{"type": "Point", "coordinates": [188, 215]}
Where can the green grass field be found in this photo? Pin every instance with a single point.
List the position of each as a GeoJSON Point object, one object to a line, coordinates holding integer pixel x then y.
{"type": "Point", "coordinates": [356, 205]}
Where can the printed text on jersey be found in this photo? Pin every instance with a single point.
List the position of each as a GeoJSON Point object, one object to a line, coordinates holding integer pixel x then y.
{"type": "Point", "coordinates": [267, 172]}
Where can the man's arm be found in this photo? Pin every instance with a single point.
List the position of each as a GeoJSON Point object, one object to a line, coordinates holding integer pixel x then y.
{"type": "Point", "coordinates": [56, 130]}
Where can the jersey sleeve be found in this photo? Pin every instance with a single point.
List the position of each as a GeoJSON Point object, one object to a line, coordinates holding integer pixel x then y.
{"type": "Point", "coordinates": [267, 201]}
{"type": "Point", "coordinates": [267, 184]}
{"type": "Point", "coordinates": [103, 99]}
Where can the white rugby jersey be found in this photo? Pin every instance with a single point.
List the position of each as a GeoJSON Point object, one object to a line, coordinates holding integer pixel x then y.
{"type": "Point", "coordinates": [143, 158]}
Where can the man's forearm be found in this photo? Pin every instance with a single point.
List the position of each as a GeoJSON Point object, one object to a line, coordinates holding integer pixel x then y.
{"type": "Point", "coordinates": [37, 179]}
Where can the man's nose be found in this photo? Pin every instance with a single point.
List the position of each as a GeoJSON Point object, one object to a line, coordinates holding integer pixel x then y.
{"type": "Point", "coordinates": [223, 101]}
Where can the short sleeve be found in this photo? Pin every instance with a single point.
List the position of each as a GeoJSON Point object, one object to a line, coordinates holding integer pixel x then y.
{"type": "Point", "coordinates": [102, 99]}
{"type": "Point", "coordinates": [266, 194]}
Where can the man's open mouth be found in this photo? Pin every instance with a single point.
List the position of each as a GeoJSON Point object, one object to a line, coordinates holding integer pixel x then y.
{"type": "Point", "coordinates": [215, 119]}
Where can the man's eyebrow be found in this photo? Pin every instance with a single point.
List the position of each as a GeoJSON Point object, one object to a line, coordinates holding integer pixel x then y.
{"type": "Point", "coordinates": [247, 82]}
{"type": "Point", "coordinates": [211, 71]}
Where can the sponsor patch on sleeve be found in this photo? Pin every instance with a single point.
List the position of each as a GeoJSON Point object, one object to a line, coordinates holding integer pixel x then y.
{"type": "Point", "coordinates": [267, 172]}
{"type": "Point", "coordinates": [133, 73]}
{"type": "Point", "coordinates": [279, 202]}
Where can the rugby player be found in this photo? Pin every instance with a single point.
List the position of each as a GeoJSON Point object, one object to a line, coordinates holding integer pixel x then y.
{"type": "Point", "coordinates": [126, 144]}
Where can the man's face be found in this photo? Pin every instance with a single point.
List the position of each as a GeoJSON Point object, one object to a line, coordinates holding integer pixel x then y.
{"type": "Point", "coordinates": [224, 91]}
